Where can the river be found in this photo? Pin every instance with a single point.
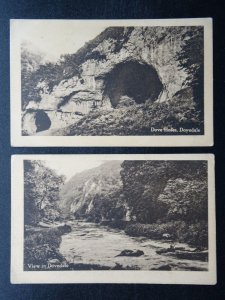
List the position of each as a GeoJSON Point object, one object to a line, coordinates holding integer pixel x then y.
{"type": "Point", "coordinates": [90, 243]}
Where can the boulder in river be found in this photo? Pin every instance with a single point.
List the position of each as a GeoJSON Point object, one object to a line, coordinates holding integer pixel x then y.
{"type": "Point", "coordinates": [193, 255]}
{"type": "Point", "coordinates": [182, 253]}
{"type": "Point", "coordinates": [166, 250]}
{"type": "Point", "coordinates": [135, 253]}
{"type": "Point", "coordinates": [64, 228]}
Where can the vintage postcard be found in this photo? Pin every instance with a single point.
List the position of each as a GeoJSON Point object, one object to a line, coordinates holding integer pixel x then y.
{"type": "Point", "coordinates": [111, 82]}
{"type": "Point", "coordinates": [113, 219]}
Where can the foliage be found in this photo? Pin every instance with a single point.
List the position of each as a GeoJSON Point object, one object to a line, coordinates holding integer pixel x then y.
{"type": "Point", "coordinates": [161, 197]}
{"type": "Point", "coordinates": [167, 197]}
{"type": "Point", "coordinates": [41, 246]}
{"type": "Point", "coordinates": [107, 206]}
{"type": "Point", "coordinates": [186, 199]}
{"type": "Point", "coordinates": [30, 62]}
{"type": "Point", "coordinates": [194, 234]}
{"type": "Point", "coordinates": [158, 189]}
{"type": "Point", "coordinates": [39, 76]}
{"type": "Point", "coordinates": [42, 80]}
{"type": "Point", "coordinates": [41, 192]}
{"type": "Point", "coordinates": [43, 236]}
{"type": "Point", "coordinates": [134, 120]}
{"type": "Point", "coordinates": [191, 59]}
{"type": "Point", "coordinates": [191, 56]}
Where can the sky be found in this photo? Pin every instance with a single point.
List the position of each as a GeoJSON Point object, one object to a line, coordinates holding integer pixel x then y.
{"type": "Point", "coordinates": [58, 37]}
{"type": "Point", "coordinates": [69, 167]}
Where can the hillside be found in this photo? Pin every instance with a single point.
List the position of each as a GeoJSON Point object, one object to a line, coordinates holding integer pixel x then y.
{"type": "Point", "coordinates": [159, 200]}
{"type": "Point", "coordinates": [153, 197]}
{"type": "Point", "coordinates": [152, 74]}
{"type": "Point", "coordinates": [94, 194]}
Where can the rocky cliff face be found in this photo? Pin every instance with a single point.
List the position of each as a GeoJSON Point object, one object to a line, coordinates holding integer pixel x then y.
{"type": "Point", "coordinates": [94, 195]}
{"type": "Point", "coordinates": [138, 62]}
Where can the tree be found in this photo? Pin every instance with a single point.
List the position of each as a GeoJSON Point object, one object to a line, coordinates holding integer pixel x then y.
{"type": "Point", "coordinates": [143, 181]}
{"type": "Point", "coordinates": [31, 59]}
{"type": "Point", "coordinates": [185, 200]}
{"type": "Point", "coordinates": [41, 192]}
{"type": "Point", "coordinates": [191, 59]}
{"type": "Point", "coordinates": [37, 74]}
{"type": "Point", "coordinates": [157, 189]}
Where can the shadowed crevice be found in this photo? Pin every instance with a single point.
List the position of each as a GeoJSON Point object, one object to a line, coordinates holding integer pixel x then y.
{"type": "Point", "coordinates": [133, 79]}
{"type": "Point", "coordinates": [42, 121]}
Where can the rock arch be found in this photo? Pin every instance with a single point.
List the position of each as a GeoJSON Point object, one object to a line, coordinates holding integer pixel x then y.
{"type": "Point", "coordinates": [134, 79]}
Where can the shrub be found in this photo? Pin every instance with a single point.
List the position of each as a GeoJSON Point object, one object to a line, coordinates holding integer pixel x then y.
{"type": "Point", "coordinates": [42, 245]}
{"type": "Point", "coordinates": [41, 254]}
{"type": "Point", "coordinates": [181, 111]}
{"type": "Point", "coordinates": [179, 231]}
{"type": "Point", "coordinates": [51, 236]}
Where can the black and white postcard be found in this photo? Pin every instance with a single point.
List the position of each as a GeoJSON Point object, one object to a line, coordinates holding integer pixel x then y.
{"type": "Point", "coordinates": [113, 219]}
{"type": "Point", "coordinates": [111, 82]}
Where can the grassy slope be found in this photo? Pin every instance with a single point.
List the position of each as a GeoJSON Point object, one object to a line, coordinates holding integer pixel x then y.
{"type": "Point", "coordinates": [137, 119]}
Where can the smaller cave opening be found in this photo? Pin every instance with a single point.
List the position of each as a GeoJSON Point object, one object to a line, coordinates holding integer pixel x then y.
{"type": "Point", "coordinates": [42, 121]}
{"type": "Point", "coordinates": [133, 79]}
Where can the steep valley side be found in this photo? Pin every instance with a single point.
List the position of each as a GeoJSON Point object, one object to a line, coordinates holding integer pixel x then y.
{"type": "Point", "coordinates": [136, 70]}
{"type": "Point", "coordinates": [132, 210]}
{"type": "Point", "coordinates": [145, 198]}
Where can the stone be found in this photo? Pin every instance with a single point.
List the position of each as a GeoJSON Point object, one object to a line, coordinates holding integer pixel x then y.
{"type": "Point", "coordinates": [134, 253]}
{"type": "Point", "coordinates": [166, 235]}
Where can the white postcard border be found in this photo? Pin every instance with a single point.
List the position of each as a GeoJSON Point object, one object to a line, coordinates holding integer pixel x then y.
{"type": "Point", "coordinates": [111, 141]}
{"type": "Point", "coordinates": [18, 275]}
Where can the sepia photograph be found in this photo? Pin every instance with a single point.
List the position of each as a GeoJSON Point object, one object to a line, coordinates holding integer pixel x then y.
{"type": "Point", "coordinates": [146, 215]}
{"type": "Point", "coordinates": [111, 82]}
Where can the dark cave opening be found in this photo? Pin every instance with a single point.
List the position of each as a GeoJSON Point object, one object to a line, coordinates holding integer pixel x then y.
{"type": "Point", "coordinates": [42, 121]}
{"type": "Point", "coordinates": [133, 79]}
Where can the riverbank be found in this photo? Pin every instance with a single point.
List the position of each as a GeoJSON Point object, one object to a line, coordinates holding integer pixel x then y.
{"type": "Point", "coordinates": [178, 239]}
{"type": "Point", "coordinates": [41, 251]}
{"type": "Point", "coordinates": [41, 246]}
{"type": "Point", "coordinates": [195, 235]}
{"type": "Point", "coordinates": [90, 246]}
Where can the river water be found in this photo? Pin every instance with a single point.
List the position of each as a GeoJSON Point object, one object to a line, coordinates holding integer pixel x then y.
{"type": "Point", "coordinates": [90, 243]}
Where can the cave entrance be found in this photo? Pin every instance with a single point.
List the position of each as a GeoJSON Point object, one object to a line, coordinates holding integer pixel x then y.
{"type": "Point", "coordinates": [133, 79]}
{"type": "Point", "coordinates": [42, 121]}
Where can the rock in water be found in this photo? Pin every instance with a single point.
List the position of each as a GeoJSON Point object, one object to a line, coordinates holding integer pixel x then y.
{"type": "Point", "coordinates": [131, 253]}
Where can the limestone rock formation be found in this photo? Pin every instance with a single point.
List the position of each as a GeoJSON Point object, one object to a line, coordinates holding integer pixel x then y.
{"type": "Point", "coordinates": [136, 62]}
{"type": "Point", "coordinates": [95, 194]}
